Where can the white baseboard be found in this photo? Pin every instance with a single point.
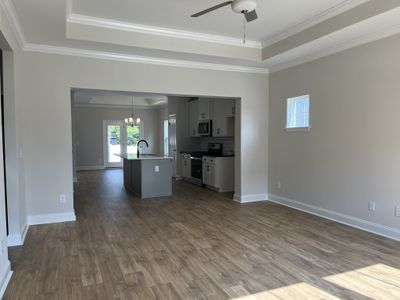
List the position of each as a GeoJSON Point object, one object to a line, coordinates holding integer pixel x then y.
{"type": "Point", "coordinates": [250, 198]}
{"type": "Point", "coordinates": [51, 218]}
{"type": "Point", "coordinates": [5, 277]}
{"type": "Point", "coordinates": [17, 239]}
{"type": "Point", "coordinates": [378, 229]}
{"type": "Point", "coordinates": [90, 168]}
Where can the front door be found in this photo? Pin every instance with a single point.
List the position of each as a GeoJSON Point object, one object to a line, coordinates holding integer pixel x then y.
{"type": "Point", "coordinates": [113, 143]}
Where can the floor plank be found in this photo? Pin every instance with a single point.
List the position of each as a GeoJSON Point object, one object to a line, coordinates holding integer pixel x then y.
{"type": "Point", "coordinates": [197, 245]}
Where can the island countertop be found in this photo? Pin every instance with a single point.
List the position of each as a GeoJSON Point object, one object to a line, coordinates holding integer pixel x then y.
{"type": "Point", "coordinates": [131, 156]}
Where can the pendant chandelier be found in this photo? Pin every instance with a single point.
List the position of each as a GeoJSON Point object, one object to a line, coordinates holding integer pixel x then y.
{"type": "Point", "coordinates": [132, 121]}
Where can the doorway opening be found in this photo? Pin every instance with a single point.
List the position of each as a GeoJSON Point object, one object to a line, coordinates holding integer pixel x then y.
{"type": "Point", "coordinates": [185, 129]}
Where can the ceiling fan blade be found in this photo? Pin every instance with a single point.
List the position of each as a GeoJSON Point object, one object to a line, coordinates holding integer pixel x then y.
{"type": "Point", "coordinates": [251, 16]}
{"type": "Point", "coordinates": [211, 9]}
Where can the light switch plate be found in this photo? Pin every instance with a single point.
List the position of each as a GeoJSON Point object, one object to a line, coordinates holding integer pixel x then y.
{"type": "Point", "coordinates": [157, 168]}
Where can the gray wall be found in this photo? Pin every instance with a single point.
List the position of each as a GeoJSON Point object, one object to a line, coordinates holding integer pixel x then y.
{"type": "Point", "coordinates": [88, 135]}
{"type": "Point", "coordinates": [46, 82]}
{"type": "Point", "coordinates": [352, 153]}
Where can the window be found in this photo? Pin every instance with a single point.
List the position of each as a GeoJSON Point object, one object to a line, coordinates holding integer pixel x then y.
{"type": "Point", "coordinates": [133, 135]}
{"type": "Point", "coordinates": [166, 144]}
{"type": "Point", "coordinates": [298, 113]}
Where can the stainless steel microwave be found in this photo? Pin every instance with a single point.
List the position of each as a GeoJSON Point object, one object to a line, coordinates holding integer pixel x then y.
{"type": "Point", "coordinates": [204, 127]}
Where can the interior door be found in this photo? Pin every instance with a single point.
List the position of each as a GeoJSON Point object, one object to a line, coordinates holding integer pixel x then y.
{"type": "Point", "coordinates": [172, 146]}
{"type": "Point", "coordinates": [113, 143]}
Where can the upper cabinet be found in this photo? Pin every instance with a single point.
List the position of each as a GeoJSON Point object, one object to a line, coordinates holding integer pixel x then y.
{"type": "Point", "coordinates": [223, 117]}
{"type": "Point", "coordinates": [204, 109]}
{"type": "Point", "coordinates": [193, 118]}
{"type": "Point", "coordinates": [220, 111]}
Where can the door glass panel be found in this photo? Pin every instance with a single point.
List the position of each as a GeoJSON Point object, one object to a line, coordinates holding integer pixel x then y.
{"type": "Point", "coordinates": [166, 144]}
{"type": "Point", "coordinates": [114, 143]}
{"type": "Point", "coordinates": [133, 136]}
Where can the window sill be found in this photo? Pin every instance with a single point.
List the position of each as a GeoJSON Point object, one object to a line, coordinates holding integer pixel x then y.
{"type": "Point", "coordinates": [298, 129]}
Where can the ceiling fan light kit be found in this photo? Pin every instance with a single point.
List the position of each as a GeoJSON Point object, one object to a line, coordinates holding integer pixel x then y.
{"type": "Point", "coordinates": [245, 7]}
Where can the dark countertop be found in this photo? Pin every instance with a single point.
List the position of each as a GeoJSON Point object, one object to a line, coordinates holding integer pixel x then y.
{"type": "Point", "coordinates": [130, 156]}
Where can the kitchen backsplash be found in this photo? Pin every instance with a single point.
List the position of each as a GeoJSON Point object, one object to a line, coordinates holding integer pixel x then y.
{"type": "Point", "coordinates": [227, 142]}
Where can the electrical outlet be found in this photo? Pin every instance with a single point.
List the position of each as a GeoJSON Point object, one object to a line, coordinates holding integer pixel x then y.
{"type": "Point", "coordinates": [397, 211]}
{"type": "Point", "coordinates": [279, 184]}
{"type": "Point", "coordinates": [63, 199]}
{"type": "Point", "coordinates": [3, 246]}
{"type": "Point", "coordinates": [371, 206]}
{"type": "Point", "coordinates": [157, 169]}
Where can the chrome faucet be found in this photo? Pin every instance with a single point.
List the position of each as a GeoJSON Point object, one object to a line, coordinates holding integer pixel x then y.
{"type": "Point", "coordinates": [137, 145]}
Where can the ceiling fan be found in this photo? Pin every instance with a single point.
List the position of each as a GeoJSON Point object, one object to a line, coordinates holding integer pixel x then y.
{"type": "Point", "coordinates": [245, 7]}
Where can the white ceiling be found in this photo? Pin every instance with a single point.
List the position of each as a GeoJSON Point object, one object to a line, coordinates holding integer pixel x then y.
{"type": "Point", "coordinates": [86, 97]}
{"type": "Point", "coordinates": [211, 41]}
{"type": "Point", "coordinates": [274, 16]}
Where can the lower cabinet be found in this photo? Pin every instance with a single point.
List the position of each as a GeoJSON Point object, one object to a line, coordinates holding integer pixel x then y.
{"type": "Point", "coordinates": [218, 173]}
{"type": "Point", "coordinates": [185, 166]}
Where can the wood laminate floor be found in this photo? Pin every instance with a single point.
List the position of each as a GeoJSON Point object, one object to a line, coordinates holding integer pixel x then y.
{"type": "Point", "coordinates": [197, 245]}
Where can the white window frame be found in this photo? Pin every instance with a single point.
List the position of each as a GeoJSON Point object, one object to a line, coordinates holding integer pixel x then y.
{"type": "Point", "coordinates": [141, 133]}
{"type": "Point", "coordinates": [304, 128]}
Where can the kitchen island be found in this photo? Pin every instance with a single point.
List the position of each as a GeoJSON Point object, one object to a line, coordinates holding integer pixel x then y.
{"type": "Point", "coordinates": [148, 176]}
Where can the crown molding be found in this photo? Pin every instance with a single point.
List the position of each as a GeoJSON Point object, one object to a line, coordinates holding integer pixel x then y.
{"type": "Point", "coordinates": [160, 31]}
{"type": "Point", "coordinates": [361, 40]}
{"type": "Point", "coordinates": [140, 59]}
{"type": "Point", "coordinates": [11, 15]}
{"type": "Point", "coordinates": [314, 20]}
{"type": "Point", "coordinates": [68, 8]}
{"type": "Point", "coordinates": [147, 107]}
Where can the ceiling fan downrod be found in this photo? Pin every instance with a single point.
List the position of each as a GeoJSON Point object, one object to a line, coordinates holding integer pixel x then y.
{"type": "Point", "coordinates": [244, 28]}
